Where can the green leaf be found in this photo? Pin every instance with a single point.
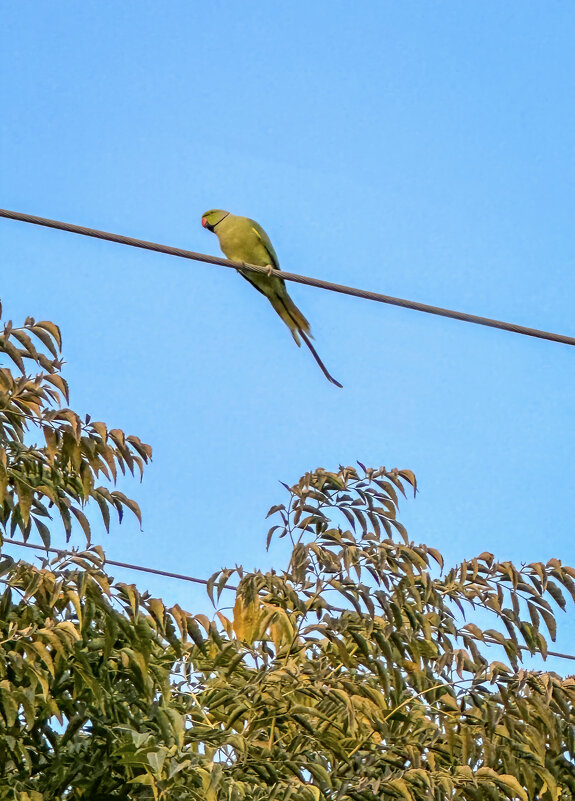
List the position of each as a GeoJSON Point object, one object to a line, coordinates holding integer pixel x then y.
{"type": "Point", "coordinates": [512, 786]}
{"type": "Point", "coordinates": [52, 329]}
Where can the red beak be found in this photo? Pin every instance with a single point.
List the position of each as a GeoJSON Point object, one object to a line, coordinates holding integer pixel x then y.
{"type": "Point", "coordinates": [204, 221]}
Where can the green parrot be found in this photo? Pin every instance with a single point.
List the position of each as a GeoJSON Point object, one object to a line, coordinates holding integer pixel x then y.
{"type": "Point", "coordinates": [242, 239]}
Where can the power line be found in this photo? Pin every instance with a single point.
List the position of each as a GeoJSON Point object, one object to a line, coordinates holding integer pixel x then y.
{"type": "Point", "coordinates": [183, 577]}
{"type": "Point", "coordinates": [299, 279]}
{"type": "Point", "coordinates": [127, 565]}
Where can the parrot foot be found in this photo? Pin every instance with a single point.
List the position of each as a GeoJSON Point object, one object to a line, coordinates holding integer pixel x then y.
{"type": "Point", "coordinates": [270, 270]}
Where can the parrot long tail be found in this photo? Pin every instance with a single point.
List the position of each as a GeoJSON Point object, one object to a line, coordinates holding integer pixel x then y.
{"type": "Point", "coordinates": [290, 314]}
{"type": "Point", "coordinates": [299, 326]}
{"type": "Point", "coordinates": [322, 366]}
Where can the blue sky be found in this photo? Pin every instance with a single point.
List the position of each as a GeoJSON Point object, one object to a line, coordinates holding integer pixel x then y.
{"type": "Point", "coordinates": [419, 149]}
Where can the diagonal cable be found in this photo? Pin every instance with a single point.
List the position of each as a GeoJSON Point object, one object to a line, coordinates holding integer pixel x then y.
{"type": "Point", "coordinates": [299, 279]}
{"type": "Point", "coordinates": [183, 577]}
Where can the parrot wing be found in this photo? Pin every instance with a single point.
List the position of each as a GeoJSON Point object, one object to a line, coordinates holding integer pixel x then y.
{"type": "Point", "coordinates": [266, 242]}
{"type": "Point", "coordinates": [273, 259]}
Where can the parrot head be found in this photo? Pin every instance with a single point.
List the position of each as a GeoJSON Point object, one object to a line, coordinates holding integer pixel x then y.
{"type": "Point", "coordinates": [211, 218]}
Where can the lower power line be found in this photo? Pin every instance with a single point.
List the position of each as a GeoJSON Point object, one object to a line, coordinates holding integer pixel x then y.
{"type": "Point", "coordinates": [182, 577]}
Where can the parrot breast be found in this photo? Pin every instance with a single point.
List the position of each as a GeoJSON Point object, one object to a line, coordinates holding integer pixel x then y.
{"type": "Point", "coordinates": [240, 242]}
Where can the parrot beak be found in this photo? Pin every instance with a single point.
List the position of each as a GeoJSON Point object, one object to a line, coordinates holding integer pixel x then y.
{"type": "Point", "coordinates": [204, 222]}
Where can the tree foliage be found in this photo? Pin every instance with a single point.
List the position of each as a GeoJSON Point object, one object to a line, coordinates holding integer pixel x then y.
{"type": "Point", "coordinates": [60, 475]}
{"type": "Point", "coordinates": [362, 671]}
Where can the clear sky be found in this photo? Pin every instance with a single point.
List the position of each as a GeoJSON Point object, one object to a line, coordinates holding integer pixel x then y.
{"type": "Point", "coordinates": [421, 149]}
